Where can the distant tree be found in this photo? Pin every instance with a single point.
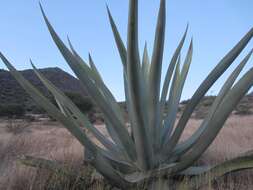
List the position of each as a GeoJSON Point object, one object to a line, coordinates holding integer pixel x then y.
{"type": "Point", "coordinates": [12, 110]}
{"type": "Point", "coordinates": [82, 102]}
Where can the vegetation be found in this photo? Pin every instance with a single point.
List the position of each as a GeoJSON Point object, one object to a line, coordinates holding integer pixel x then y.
{"type": "Point", "coordinates": [83, 103]}
{"type": "Point", "coordinates": [12, 93]}
{"type": "Point", "coordinates": [12, 110]}
{"type": "Point", "coordinates": [150, 154]}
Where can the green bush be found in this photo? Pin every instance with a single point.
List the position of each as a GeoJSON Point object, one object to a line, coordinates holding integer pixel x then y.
{"type": "Point", "coordinates": [11, 110]}
{"type": "Point", "coordinates": [83, 103]}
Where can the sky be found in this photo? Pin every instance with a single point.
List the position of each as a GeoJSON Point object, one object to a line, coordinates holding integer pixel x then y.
{"type": "Point", "coordinates": [215, 25]}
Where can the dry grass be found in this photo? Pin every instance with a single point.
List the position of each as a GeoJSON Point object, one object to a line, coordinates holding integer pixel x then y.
{"type": "Point", "coordinates": [50, 140]}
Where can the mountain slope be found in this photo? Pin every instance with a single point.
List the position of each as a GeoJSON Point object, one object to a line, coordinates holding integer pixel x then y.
{"type": "Point", "coordinates": [12, 93]}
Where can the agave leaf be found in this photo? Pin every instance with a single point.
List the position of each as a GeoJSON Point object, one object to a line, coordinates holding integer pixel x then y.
{"type": "Point", "coordinates": [49, 107]}
{"type": "Point", "coordinates": [94, 68]}
{"type": "Point", "coordinates": [172, 96]}
{"type": "Point", "coordinates": [186, 67]}
{"type": "Point", "coordinates": [83, 75]}
{"type": "Point", "coordinates": [95, 76]}
{"type": "Point", "coordinates": [171, 68]}
{"type": "Point", "coordinates": [64, 101]}
{"type": "Point", "coordinates": [123, 55]}
{"type": "Point", "coordinates": [91, 74]}
{"type": "Point", "coordinates": [53, 166]}
{"type": "Point", "coordinates": [203, 177]}
{"type": "Point", "coordinates": [128, 104]}
{"type": "Point", "coordinates": [142, 177]}
{"type": "Point", "coordinates": [143, 145]}
{"type": "Point", "coordinates": [60, 106]}
{"type": "Point", "coordinates": [118, 164]}
{"type": "Point", "coordinates": [195, 170]}
{"type": "Point", "coordinates": [109, 96]}
{"type": "Point", "coordinates": [171, 117]}
{"type": "Point", "coordinates": [107, 93]}
{"type": "Point", "coordinates": [217, 121]}
{"type": "Point", "coordinates": [117, 161]}
{"type": "Point", "coordinates": [118, 40]}
{"type": "Point", "coordinates": [99, 162]}
{"type": "Point", "coordinates": [168, 77]}
{"type": "Point", "coordinates": [112, 175]}
{"type": "Point", "coordinates": [155, 74]}
{"type": "Point", "coordinates": [145, 88]}
{"type": "Point", "coordinates": [185, 146]}
{"type": "Point", "coordinates": [207, 83]}
{"type": "Point", "coordinates": [113, 133]}
{"type": "Point", "coordinates": [104, 165]}
{"type": "Point", "coordinates": [145, 65]}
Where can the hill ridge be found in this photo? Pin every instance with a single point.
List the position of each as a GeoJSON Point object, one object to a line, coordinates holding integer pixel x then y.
{"type": "Point", "coordinates": [12, 93]}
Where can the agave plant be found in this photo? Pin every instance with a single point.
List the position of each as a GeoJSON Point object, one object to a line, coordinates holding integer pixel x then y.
{"type": "Point", "coordinates": [149, 148]}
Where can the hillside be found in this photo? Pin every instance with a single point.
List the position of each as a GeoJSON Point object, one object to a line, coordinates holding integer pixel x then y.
{"type": "Point", "coordinates": [244, 107]}
{"type": "Point", "coordinates": [12, 93]}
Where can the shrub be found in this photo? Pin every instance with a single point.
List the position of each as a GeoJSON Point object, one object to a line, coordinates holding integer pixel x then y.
{"type": "Point", "coordinates": [83, 103]}
{"type": "Point", "coordinates": [11, 110]}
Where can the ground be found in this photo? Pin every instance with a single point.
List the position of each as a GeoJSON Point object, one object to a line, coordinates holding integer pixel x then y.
{"type": "Point", "coordinates": [48, 139]}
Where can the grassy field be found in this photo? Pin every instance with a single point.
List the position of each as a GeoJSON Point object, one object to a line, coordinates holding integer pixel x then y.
{"type": "Point", "coordinates": [48, 139]}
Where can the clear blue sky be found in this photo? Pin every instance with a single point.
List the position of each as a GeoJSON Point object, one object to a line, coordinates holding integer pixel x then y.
{"type": "Point", "coordinates": [216, 25]}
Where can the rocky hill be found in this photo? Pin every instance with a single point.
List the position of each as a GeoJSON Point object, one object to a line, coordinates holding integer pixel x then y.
{"type": "Point", "coordinates": [12, 93]}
